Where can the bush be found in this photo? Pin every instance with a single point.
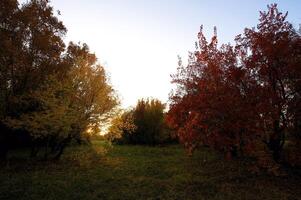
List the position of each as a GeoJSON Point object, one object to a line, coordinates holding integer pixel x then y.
{"type": "Point", "coordinates": [144, 124]}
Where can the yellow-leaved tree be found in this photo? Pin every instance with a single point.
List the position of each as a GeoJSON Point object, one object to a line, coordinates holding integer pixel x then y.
{"type": "Point", "coordinates": [68, 105]}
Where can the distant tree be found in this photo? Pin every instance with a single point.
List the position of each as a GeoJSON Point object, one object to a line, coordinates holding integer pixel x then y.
{"type": "Point", "coordinates": [149, 119]}
{"type": "Point", "coordinates": [144, 124]}
{"type": "Point", "coordinates": [121, 128]}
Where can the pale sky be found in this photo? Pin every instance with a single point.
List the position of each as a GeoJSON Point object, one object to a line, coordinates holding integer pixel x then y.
{"type": "Point", "coordinates": [138, 41]}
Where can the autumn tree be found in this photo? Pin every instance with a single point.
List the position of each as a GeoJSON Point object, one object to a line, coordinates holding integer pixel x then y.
{"type": "Point", "coordinates": [94, 97]}
{"type": "Point", "coordinates": [242, 99]}
{"type": "Point", "coordinates": [48, 93]}
{"type": "Point", "coordinates": [121, 127]}
{"type": "Point", "coordinates": [273, 57]}
{"type": "Point", "coordinates": [149, 119]}
{"type": "Point", "coordinates": [208, 106]}
{"type": "Point", "coordinates": [144, 124]}
{"type": "Point", "coordinates": [66, 108]}
{"type": "Point", "coordinates": [31, 46]}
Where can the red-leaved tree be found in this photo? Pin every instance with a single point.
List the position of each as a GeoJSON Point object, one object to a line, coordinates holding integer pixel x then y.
{"type": "Point", "coordinates": [243, 99]}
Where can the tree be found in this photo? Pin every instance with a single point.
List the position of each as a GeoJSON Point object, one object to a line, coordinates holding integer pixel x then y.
{"type": "Point", "coordinates": [244, 99]}
{"type": "Point", "coordinates": [31, 46]}
{"type": "Point", "coordinates": [274, 59]}
{"type": "Point", "coordinates": [95, 98]}
{"type": "Point", "coordinates": [144, 124]}
{"type": "Point", "coordinates": [65, 108]}
{"type": "Point", "coordinates": [48, 93]}
{"type": "Point", "coordinates": [149, 119]}
{"type": "Point", "coordinates": [121, 128]}
{"type": "Point", "coordinates": [209, 105]}
{"type": "Point", "coordinates": [50, 123]}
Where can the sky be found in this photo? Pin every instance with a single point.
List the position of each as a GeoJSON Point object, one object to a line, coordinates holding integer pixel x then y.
{"type": "Point", "coordinates": [138, 41]}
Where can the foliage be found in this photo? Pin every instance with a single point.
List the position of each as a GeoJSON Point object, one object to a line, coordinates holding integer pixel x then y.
{"type": "Point", "coordinates": [93, 96]}
{"type": "Point", "coordinates": [49, 93]}
{"type": "Point", "coordinates": [241, 100]}
{"type": "Point", "coordinates": [31, 47]}
{"type": "Point", "coordinates": [122, 126]}
{"type": "Point", "coordinates": [144, 124]}
{"type": "Point", "coordinates": [149, 120]}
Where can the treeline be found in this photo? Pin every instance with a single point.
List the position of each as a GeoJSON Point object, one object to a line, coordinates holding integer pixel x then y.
{"type": "Point", "coordinates": [50, 92]}
{"type": "Point", "coordinates": [145, 124]}
{"type": "Point", "coordinates": [243, 100]}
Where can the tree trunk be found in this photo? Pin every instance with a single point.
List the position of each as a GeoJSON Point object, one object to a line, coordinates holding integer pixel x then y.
{"type": "Point", "coordinates": [46, 149]}
{"type": "Point", "coordinates": [62, 147]}
{"type": "Point", "coordinates": [3, 153]}
{"type": "Point", "coordinates": [34, 151]}
{"type": "Point", "coordinates": [3, 149]}
{"type": "Point", "coordinates": [60, 153]}
{"type": "Point", "coordinates": [276, 141]}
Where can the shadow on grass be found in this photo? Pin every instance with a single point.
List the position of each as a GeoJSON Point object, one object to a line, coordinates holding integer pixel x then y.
{"type": "Point", "coordinates": [102, 171]}
{"type": "Point", "coordinates": [77, 156]}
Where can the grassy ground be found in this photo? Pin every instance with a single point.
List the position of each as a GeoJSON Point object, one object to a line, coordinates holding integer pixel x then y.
{"type": "Point", "coordinates": [136, 172]}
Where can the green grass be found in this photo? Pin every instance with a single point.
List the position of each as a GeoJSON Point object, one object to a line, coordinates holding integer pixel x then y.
{"type": "Point", "coordinates": [102, 171]}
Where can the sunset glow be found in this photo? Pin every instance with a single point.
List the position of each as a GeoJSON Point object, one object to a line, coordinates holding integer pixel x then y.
{"type": "Point", "coordinates": [138, 41]}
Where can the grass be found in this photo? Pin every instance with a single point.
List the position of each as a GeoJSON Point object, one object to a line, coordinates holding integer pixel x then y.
{"type": "Point", "coordinates": [102, 171]}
